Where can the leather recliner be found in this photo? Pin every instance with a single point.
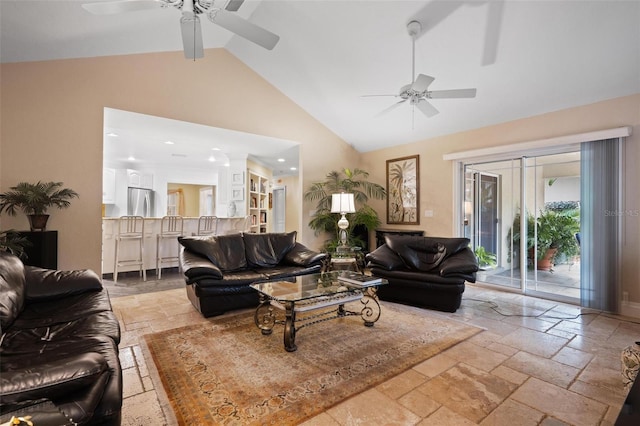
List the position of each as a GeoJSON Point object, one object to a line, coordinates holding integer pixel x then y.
{"type": "Point", "coordinates": [59, 346]}
{"type": "Point", "coordinates": [428, 272]}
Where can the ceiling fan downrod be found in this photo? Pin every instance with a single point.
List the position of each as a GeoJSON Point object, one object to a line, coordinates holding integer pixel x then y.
{"type": "Point", "coordinates": [414, 28]}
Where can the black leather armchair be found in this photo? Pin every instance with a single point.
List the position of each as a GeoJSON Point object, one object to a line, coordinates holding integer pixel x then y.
{"type": "Point", "coordinates": [59, 346]}
{"type": "Point", "coordinates": [218, 270]}
{"type": "Point", "coordinates": [428, 272]}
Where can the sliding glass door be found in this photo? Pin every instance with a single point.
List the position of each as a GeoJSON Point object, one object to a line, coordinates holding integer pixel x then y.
{"type": "Point", "coordinates": [522, 217]}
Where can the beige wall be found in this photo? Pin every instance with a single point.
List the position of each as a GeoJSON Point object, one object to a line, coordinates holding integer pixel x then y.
{"type": "Point", "coordinates": [436, 175]}
{"type": "Point", "coordinates": [52, 123]}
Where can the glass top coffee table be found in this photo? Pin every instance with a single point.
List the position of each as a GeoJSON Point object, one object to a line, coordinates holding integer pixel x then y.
{"type": "Point", "coordinates": [310, 299]}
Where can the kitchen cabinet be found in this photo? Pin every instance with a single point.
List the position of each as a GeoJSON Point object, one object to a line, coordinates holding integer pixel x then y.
{"type": "Point", "coordinates": [108, 186]}
{"type": "Point", "coordinates": [139, 179]}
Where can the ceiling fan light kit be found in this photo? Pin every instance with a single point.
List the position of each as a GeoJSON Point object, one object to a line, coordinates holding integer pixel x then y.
{"type": "Point", "coordinates": [417, 92]}
{"type": "Point", "coordinates": [220, 12]}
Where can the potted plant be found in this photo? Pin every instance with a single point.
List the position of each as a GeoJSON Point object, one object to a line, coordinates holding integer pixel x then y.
{"type": "Point", "coordinates": [34, 199]}
{"type": "Point", "coordinates": [553, 234]}
{"type": "Point", "coordinates": [11, 241]}
{"type": "Point", "coordinates": [352, 181]}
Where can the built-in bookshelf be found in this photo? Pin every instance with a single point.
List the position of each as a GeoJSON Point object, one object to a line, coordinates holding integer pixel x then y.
{"type": "Point", "coordinates": [258, 202]}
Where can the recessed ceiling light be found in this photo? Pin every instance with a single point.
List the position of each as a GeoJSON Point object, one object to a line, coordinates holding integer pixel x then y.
{"type": "Point", "coordinates": [281, 160]}
{"type": "Point", "coordinates": [212, 158]}
{"type": "Point", "coordinates": [215, 149]}
{"type": "Point", "coordinates": [293, 168]}
{"type": "Point", "coordinates": [226, 164]}
{"type": "Point", "coordinates": [169, 142]}
{"type": "Point", "coordinates": [113, 135]}
{"type": "Point", "coordinates": [131, 158]}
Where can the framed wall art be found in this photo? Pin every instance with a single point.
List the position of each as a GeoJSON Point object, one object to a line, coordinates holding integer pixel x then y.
{"type": "Point", "coordinates": [237, 194]}
{"type": "Point", "coordinates": [403, 190]}
{"type": "Point", "coordinates": [237, 178]}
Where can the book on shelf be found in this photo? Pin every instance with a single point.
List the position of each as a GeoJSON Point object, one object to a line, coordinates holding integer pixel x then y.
{"type": "Point", "coordinates": [358, 279]}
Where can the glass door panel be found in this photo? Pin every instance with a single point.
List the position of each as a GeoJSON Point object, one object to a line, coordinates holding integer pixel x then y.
{"type": "Point", "coordinates": [492, 198]}
{"type": "Point", "coordinates": [553, 206]}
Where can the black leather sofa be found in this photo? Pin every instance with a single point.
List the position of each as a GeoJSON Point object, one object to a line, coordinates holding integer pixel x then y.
{"type": "Point", "coordinates": [218, 270]}
{"type": "Point", "coordinates": [59, 347]}
{"type": "Point", "coordinates": [429, 272]}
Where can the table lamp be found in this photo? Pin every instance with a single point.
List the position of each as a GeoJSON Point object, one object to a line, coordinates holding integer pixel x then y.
{"type": "Point", "coordinates": [343, 203]}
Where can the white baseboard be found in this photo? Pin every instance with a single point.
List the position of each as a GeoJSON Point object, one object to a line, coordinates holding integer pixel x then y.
{"type": "Point", "coordinates": [630, 309]}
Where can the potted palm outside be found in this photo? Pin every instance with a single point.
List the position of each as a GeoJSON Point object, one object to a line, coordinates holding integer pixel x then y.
{"type": "Point", "coordinates": [35, 199]}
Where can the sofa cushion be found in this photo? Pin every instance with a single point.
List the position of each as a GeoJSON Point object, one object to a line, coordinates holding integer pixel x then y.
{"type": "Point", "coordinates": [227, 252]}
{"type": "Point", "coordinates": [12, 289]}
{"type": "Point", "coordinates": [49, 284]}
{"type": "Point", "coordinates": [267, 250]}
{"type": "Point", "coordinates": [418, 253]}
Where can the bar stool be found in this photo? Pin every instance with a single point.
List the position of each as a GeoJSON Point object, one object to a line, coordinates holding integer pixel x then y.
{"type": "Point", "coordinates": [171, 227]}
{"type": "Point", "coordinates": [207, 225]}
{"type": "Point", "coordinates": [130, 228]}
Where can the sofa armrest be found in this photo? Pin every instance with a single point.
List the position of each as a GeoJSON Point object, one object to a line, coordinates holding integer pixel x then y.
{"type": "Point", "coordinates": [194, 266]}
{"type": "Point", "coordinates": [46, 284]}
{"type": "Point", "coordinates": [59, 377]}
{"type": "Point", "coordinates": [300, 255]}
{"type": "Point", "coordinates": [384, 258]}
{"type": "Point", "coordinates": [460, 263]}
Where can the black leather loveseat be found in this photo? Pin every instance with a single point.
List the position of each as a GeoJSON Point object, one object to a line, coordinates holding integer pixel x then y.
{"type": "Point", "coordinates": [59, 346]}
{"type": "Point", "coordinates": [218, 270]}
{"type": "Point", "coordinates": [428, 272]}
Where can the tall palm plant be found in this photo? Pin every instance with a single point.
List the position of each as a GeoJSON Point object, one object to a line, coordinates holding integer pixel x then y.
{"type": "Point", "coordinates": [353, 181]}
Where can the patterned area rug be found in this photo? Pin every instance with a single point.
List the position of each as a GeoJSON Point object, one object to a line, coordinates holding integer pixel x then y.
{"type": "Point", "coordinates": [227, 372]}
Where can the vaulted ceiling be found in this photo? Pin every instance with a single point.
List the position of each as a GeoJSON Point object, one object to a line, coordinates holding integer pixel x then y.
{"type": "Point", "coordinates": [524, 57]}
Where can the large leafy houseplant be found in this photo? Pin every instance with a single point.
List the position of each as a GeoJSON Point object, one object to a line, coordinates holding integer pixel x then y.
{"type": "Point", "coordinates": [353, 181]}
{"type": "Point", "coordinates": [552, 230]}
{"type": "Point", "coordinates": [11, 241]}
{"type": "Point", "coordinates": [35, 199]}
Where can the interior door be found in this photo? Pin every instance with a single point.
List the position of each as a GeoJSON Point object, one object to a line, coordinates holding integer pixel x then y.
{"type": "Point", "coordinates": [279, 209]}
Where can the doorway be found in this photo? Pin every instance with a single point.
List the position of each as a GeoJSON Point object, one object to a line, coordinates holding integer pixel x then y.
{"type": "Point", "coordinates": [523, 219]}
{"type": "Point", "coordinates": [279, 208]}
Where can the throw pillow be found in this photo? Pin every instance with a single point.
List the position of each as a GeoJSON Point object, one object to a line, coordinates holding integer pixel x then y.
{"type": "Point", "coordinates": [227, 252]}
{"type": "Point", "coordinates": [418, 253]}
{"type": "Point", "coordinates": [267, 250]}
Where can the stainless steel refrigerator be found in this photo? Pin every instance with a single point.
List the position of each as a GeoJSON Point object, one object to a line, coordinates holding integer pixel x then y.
{"type": "Point", "coordinates": [140, 202]}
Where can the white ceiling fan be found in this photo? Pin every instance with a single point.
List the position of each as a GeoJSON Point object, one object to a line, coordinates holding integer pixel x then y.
{"type": "Point", "coordinates": [220, 12]}
{"type": "Point", "coordinates": [417, 92]}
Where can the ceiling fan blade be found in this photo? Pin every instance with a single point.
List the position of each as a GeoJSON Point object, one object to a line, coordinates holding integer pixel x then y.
{"type": "Point", "coordinates": [233, 5]}
{"type": "Point", "coordinates": [455, 93]}
{"type": "Point", "coordinates": [371, 96]}
{"type": "Point", "coordinates": [426, 108]}
{"type": "Point", "coordinates": [492, 32]}
{"type": "Point", "coordinates": [121, 6]}
{"type": "Point", "coordinates": [245, 29]}
{"type": "Point", "coordinates": [191, 36]}
{"type": "Point", "coordinates": [391, 108]}
{"type": "Point", "coordinates": [422, 83]}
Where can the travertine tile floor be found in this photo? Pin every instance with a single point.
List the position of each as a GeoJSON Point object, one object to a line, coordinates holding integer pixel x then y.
{"type": "Point", "coordinates": [537, 363]}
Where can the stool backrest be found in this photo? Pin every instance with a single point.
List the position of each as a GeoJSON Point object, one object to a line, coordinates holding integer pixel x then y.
{"type": "Point", "coordinates": [208, 225]}
{"type": "Point", "coordinates": [171, 225]}
{"type": "Point", "coordinates": [131, 227]}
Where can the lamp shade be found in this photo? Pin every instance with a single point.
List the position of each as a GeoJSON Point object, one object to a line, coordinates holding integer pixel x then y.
{"type": "Point", "coordinates": [342, 203]}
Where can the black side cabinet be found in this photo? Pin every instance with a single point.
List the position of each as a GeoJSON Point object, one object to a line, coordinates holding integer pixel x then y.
{"type": "Point", "coordinates": [43, 251]}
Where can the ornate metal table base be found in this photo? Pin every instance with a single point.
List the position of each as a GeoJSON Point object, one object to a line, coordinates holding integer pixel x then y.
{"type": "Point", "coordinates": [265, 315]}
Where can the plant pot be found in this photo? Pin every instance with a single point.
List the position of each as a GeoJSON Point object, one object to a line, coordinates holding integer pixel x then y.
{"type": "Point", "coordinates": [546, 263]}
{"type": "Point", "coordinates": [38, 222]}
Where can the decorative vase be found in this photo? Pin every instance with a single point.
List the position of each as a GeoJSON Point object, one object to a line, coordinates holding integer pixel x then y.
{"type": "Point", "coordinates": [38, 222]}
{"type": "Point", "coordinates": [630, 358]}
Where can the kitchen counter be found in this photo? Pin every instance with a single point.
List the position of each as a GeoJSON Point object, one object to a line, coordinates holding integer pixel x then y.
{"type": "Point", "coordinates": [151, 230]}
